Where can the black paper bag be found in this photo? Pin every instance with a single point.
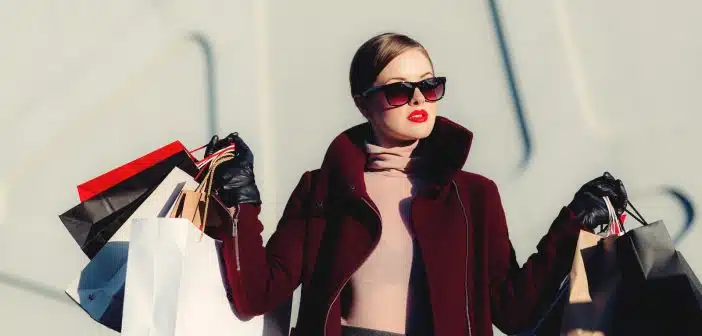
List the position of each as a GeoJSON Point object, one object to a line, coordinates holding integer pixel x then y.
{"type": "Point", "coordinates": [661, 295]}
{"type": "Point", "coordinates": [92, 223]}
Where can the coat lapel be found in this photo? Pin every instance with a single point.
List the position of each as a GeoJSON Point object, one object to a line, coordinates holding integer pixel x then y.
{"type": "Point", "coordinates": [353, 228]}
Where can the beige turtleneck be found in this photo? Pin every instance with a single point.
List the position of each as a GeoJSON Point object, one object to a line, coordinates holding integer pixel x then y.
{"type": "Point", "coordinates": [378, 294]}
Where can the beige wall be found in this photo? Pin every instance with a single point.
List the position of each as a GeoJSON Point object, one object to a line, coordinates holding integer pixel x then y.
{"type": "Point", "coordinates": [86, 86]}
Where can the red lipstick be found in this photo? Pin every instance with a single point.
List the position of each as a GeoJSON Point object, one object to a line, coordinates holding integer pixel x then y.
{"type": "Point", "coordinates": [418, 116]}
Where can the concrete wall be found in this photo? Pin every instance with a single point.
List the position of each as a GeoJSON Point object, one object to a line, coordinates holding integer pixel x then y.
{"type": "Point", "coordinates": [86, 86]}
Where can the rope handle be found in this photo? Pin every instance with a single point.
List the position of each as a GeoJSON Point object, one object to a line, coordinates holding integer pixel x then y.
{"type": "Point", "coordinates": [638, 218]}
{"type": "Point", "coordinates": [207, 185]}
{"type": "Point", "coordinates": [200, 163]}
{"type": "Point", "coordinates": [614, 226]}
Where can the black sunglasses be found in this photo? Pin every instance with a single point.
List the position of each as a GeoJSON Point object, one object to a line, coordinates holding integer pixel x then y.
{"type": "Point", "coordinates": [400, 93]}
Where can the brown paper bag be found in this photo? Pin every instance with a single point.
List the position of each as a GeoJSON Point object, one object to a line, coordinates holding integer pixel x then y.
{"type": "Point", "coordinates": [594, 279]}
{"type": "Point", "coordinates": [199, 205]}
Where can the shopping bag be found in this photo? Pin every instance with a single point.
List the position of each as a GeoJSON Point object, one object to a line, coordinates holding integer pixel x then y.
{"type": "Point", "coordinates": [89, 189]}
{"type": "Point", "coordinates": [199, 206]}
{"type": "Point", "coordinates": [663, 295]}
{"type": "Point", "coordinates": [99, 289]}
{"type": "Point", "coordinates": [594, 280]}
{"type": "Point", "coordinates": [586, 297]}
{"type": "Point", "coordinates": [652, 289]}
{"type": "Point", "coordinates": [107, 180]}
{"type": "Point", "coordinates": [207, 213]}
{"type": "Point", "coordinates": [175, 284]}
{"type": "Point", "coordinates": [593, 283]}
{"type": "Point", "coordinates": [93, 222]}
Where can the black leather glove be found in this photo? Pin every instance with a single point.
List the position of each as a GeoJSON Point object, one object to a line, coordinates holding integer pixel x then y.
{"type": "Point", "coordinates": [588, 203]}
{"type": "Point", "coordinates": [233, 180]}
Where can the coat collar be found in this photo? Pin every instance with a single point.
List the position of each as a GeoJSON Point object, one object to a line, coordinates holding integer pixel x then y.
{"type": "Point", "coordinates": [445, 150]}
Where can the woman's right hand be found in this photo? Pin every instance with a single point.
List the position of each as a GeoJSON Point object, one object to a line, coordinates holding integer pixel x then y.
{"type": "Point", "coordinates": [234, 181]}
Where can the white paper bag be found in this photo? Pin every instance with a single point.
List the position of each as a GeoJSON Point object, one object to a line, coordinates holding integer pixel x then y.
{"type": "Point", "coordinates": [99, 289]}
{"type": "Point", "coordinates": [175, 285]}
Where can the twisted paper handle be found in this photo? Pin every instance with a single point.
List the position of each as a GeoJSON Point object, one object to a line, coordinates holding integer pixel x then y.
{"type": "Point", "coordinates": [615, 227]}
{"type": "Point", "coordinates": [207, 182]}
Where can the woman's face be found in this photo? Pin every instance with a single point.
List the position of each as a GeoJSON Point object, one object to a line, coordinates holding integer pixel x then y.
{"type": "Point", "coordinates": [398, 126]}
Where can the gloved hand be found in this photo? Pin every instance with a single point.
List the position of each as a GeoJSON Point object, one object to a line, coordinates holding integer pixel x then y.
{"type": "Point", "coordinates": [233, 180]}
{"type": "Point", "coordinates": [588, 204]}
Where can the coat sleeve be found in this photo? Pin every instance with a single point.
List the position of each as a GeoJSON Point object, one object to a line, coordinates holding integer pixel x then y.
{"type": "Point", "coordinates": [259, 277]}
{"type": "Point", "coordinates": [517, 292]}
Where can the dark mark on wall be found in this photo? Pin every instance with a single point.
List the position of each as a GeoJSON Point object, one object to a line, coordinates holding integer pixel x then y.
{"type": "Point", "coordinates": [688, 209]}
{"type": "Point", "coordinates": [512, 83]}
{"type": "Point", "coordinates": [210, 80]}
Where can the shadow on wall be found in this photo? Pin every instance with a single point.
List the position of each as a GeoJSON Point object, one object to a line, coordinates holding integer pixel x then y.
{"type": "Point", "coordinates": [29, 285]}
{"type": "Point", "coordinates": [688, 209]}
{"type": "Point", "coordinates": [278, 319]}
{"type": "Point", "coordinates": [210, 79]}
{"type": "Point", "coordinates": [676, 192]}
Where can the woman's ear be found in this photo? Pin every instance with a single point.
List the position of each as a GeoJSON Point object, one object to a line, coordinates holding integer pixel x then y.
{"type": "Point", "coordinates": [361, 105]}
{"type": "Point", "coordinates": [359, 102]}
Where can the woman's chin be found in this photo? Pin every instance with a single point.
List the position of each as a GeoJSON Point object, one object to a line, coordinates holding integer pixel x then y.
{"type": "Point", "coordinates": [416, 131]}
{"type": "Point", "coordinates": [412, 136]}
{"type": "Point", "coordinates": [404, 133]}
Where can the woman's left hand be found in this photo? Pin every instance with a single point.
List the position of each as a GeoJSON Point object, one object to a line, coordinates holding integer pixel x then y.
{"type": "Point", "coordinates": [588, 204]}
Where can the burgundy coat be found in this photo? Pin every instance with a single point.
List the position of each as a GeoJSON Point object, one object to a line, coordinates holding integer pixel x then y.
{"type": "Point", "coordinates": [330, 226]}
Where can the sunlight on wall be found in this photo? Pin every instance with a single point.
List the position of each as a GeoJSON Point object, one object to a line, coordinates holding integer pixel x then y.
{"type": "Point", "coordinates": [87, 87]}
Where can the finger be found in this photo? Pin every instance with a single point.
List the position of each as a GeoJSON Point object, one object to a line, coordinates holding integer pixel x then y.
{"type": "Point", "coordinates": [594, 201]}
{"type": "Point", "coordinates": [214, 140]}
{"type": "Point", "coordinates": [231, 138]}
{"type": "Point", "coordinates": [622, 189]}
{"type": "Point", "coordinates": [226, 170]}
{"type": "Point", "coordinates": [615, 191]}
{"type": "Point", "coordinates": [241, 147]}
{"type": "Point", "coordinates": [597, 181]}
{"type": "Point", "coordinates": [211, 145]}
{"type": "Point", "coordinates": [601, 189]}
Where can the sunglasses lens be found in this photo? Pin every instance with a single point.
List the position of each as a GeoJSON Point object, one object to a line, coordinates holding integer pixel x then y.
{"type": "Point", "coordinates": [397, 94]}
{"type": "Point", "coordinates": [432, 89]}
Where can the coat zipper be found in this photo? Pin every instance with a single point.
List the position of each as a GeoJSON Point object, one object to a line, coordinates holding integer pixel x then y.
{"type": "Point", "coordinates": [235, 234]}
{"type": "Point", "coordinates": [465, 283]}
{"type": "Point", "coordinates": [338, 291]}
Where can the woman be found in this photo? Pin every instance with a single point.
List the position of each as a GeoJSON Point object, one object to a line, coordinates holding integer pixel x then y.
{"type": "Point", "coordinates": [390, 236]}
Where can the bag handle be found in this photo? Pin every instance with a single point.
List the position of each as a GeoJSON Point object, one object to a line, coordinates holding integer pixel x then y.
{"type": "Point", "coordinates": [618, 228]}
{"type": "Point", "coordinates": [208, 182]}
{"type": "Point", "coordinates": [200, 164]}
{"type": "Point", "coordinates": [205, 186]}
{"type": "Point", "coordinates": [207, 159]}
{"type": "Point", "coordinates": [613, 217]}
{"type": "Point", "coordinates": [640, 218]}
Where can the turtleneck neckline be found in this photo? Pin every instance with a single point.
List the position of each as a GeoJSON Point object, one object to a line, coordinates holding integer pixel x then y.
{"type": "Point", "coordinates": [396, 161]}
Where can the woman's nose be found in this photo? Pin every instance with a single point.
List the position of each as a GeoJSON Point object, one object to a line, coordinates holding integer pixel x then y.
{"type": "Point", "coordinates": [417, 97]}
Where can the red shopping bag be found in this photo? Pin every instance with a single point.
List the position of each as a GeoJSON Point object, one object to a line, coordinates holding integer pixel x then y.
{"type": "Point", "coordinates": [89, 189]}
{"type": "Point", "coordinates": [105, 181]}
